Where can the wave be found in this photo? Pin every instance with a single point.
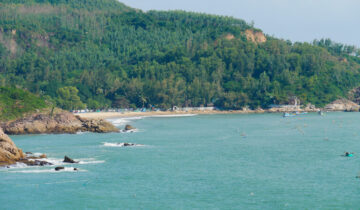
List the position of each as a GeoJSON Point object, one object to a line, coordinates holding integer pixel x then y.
{"type": "Point", "coordinates": [17, 165]}
{"type": "Point", "coordinates": [107, 144]}
{"type": "Point", "coordinates": [35, 154]}
{"type": "Point", "coordinates": [16, 168]}
{"type": "Point", "coordinates": [86, 161]}
{"type": "Point", "coordinates": [81, 132]}
{"type": "Point", "coordinates": [130, 131]}
{"type": "Point", "coordinates": [66, 169]}
{"type": "Point", "coordinates": [124, 120]}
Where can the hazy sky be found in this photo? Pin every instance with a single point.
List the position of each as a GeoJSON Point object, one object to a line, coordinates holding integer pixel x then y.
{"type": "Point", "coordinates": [297, 20]}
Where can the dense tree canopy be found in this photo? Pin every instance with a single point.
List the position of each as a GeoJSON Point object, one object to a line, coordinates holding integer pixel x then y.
{"type": "Point", "coordinates": [16, 102]}
{"type": "Point", "coordinates": [116, 56]}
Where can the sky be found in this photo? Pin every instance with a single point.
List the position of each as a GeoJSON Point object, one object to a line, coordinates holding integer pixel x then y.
{"type": "Point", "coordinates": [295, 20]}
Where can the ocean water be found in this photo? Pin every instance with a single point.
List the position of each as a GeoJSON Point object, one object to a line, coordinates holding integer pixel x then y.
{"type": "Point", "coordinates": [259, 161]}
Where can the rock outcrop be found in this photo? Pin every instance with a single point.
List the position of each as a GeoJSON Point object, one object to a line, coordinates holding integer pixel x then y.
{"type": "Point", "coordinates": [255, 36]}
{"type": "Point", "coordinates": [354, 95]}
{"type": "Point", "coordinates": [31, 162]}
{"type": "Point", "coordinates": [9, 153]}
{"type": "Point", "coordinates": [64, 122]}
{"type": "Point", "coordinates": [97, 125]}
{"type": "Point", "coordinates": [129, 128]}
{"type": "Point", "coordinates": [69, 160]}
{"type": "Point", "coordinates": [343, 105]}
{"type": "Point", "coordinates": [59, 168]}
{"type": "Point", "coordinates": [129, 144]}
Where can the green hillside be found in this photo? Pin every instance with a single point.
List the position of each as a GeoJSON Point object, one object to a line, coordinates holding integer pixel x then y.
{"type": "Point", "coordinates": [15, 103]}
{"type": "Point", "coordinates": [111, 55]}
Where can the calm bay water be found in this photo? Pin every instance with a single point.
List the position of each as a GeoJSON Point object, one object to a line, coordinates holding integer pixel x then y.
{"type": "Point", "coordinates": [203, 162]}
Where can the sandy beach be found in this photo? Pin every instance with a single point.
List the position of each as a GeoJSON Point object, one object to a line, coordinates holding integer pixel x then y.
{"type": "Point", "coordinates": [109, 115]}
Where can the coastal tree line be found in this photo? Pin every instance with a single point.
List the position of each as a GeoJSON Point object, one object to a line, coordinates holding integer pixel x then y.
{"type": "Point", "coordinates": [79, 54]}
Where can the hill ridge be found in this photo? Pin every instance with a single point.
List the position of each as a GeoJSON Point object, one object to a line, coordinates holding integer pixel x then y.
{"type": "Point", "coordinates": [78, 52]}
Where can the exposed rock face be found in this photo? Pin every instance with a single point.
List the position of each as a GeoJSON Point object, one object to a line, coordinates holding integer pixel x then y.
{"type": "Point", "coordinates": [63, 122]}
{"type": "Point", "coordinates": [343, 105]}
{"type": "Point", "coordinates": [9, 153]}
{"type": "Point", "coordinates": [255, 36]}
{"type": "Point", "coordinates": [354, 95]}
{"type": "Point", "coordinates": [229, 37]}
{"type": "Point", "coordinates": [98, 126]}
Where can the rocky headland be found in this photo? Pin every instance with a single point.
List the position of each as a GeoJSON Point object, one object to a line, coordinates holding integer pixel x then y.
{"type": "Point", "coordinates": [9, 153]}
{"type": "Point", "coordinates": [343, 105]}
{"type": "Point", "coordinates": [61, 122]}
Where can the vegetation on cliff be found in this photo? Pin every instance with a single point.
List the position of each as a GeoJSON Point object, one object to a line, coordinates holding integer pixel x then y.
{"type": "Point", "coordinates": [105, 54]}
{"type": "Point", "coordinates": [15, 103]}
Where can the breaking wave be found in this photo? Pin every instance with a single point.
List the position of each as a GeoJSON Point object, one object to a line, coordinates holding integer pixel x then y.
{"type": "Point", "coordinates": [123, 121]}
{"type": "Point", "coordinates": [47, 170]}
{"type": "Point", "coordinates": [23, 168]}
{"type": "Point", "coordinates": [107, 144]}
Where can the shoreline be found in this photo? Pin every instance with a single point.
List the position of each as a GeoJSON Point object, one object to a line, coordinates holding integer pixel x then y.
{"type": "Point", "coordinates": [110, 115]}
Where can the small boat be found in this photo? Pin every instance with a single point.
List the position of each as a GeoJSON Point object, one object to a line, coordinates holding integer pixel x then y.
{"type": "Point", "coordinates": [321, 113]}
{"type": "Point", "coordinates": [286, 114]}
{"type": "Point", "coordinates": [293, 114]}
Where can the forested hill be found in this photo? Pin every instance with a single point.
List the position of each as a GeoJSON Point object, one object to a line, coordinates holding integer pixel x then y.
{"type": "Point", "coordinates": [111, 55]}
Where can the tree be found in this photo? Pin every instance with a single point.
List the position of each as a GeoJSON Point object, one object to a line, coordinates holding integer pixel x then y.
{"type": "Point", "coordinates": [68, 98]}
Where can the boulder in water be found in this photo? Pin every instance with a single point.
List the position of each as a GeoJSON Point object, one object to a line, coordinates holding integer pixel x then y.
{"type": "Point", "coordinates": [129, 128]}
{"type": "Point", "coordinates": [35, 162]}
{"type": "Point", "coordinates": [59, 168]}
{"type": "Point", "coordinates": [69, 160]}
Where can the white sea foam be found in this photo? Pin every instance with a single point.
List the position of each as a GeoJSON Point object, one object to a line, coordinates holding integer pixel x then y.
{"type": "Point", "coordinates": [81, 132]}
{"type": "Point", "coordinates": [123, 121]}
{"type": "Point", "coordinates": [17, 165]}
{"type": "Point", "coordinates": [130, 131]}
{"type": "Point", "coordinates": [126, 120]}
{"type": "Point", "coordinates": [108, 144]}
{"type": "Point", "coordinates": [47, 170]}
{"type": "Point", "coordinates": [85, 161]}
{"type": "Point", "coordinates": [119, 122]}
{"type": "Point", "coordinates": [15, 168]}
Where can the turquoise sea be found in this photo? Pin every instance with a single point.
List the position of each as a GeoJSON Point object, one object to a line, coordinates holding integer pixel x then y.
{"type": "Point", "coordinates": [259, 161]}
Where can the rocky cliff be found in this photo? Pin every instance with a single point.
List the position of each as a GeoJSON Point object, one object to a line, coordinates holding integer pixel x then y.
{"type": "Point", "coordinates": [255, 36]}
{"type": "Point", "coordinates": [9, 153]}
{"type": "Point", "coordinates": [342, 105]}
{"type": "Point", "coordinates": [63, 122]}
